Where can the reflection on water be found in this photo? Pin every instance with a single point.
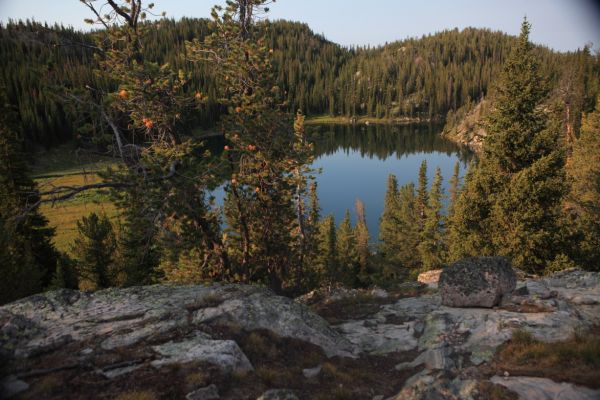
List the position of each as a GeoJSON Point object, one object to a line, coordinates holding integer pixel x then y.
{"type": "Point", "coordinates": [357, 159]}
{"type": "Point", "coordinates": [383, 141]}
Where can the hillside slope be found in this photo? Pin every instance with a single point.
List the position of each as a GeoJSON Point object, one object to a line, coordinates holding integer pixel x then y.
{"type": "Point", "coordinates": [422, 78]}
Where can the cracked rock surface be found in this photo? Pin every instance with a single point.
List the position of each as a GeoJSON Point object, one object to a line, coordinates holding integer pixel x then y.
{"type": "Point", "coordinates": [438, 350]}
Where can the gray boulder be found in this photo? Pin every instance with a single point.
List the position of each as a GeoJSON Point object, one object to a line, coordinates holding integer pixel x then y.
{"type": "Point", "coordinates": [477, 282]}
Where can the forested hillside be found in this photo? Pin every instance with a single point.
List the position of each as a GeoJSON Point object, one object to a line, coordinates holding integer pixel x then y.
{"type": "Point", "coordinates": [417, 78]}
{"type": "Point", "coordinates": [573, 87]}
{"type": "Point", "coordinates": [139, 89]}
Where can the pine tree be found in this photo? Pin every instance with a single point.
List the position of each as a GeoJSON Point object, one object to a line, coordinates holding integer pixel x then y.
{"type": "Point", "coordinates": [408, 221]}
{"type": "Point", "coordinates": [315, 209]}
{"type": "Point", "coordinates": [516, 120]}
{"type": "Point", "coordinates": [454, 190]}
{"type": "Point", "coordinates": [584, 197]}
{"type": "Point", "coordinates": [388, 223]}
{"type": "Point", "coordinates": [66, 274]}
{"type": "Point", "coordinates": [431, 248]}
{"type": "Point", "coordinates": [361, 234]}
{"type": "Point", "coordinates": [328, 258]}
{"type": "Point", "coordinates": [94, 250]}
{"type": "Point", "coordinates": [450, 236]}
{"type": "Point", "coordinates": [468, 229]}
{"type": "Point", "coordinates": [511, 203]}
{"type": "Point", "coordinates": [346, 250]}
{"type": "Point", "coordinates": [268, 158]}
{"type": "Point", "coordinates": [139, 254]}
{"type": "Point", "coordinates": [422, 195]}
{"type": "Point", "coordinates": [28, 258]}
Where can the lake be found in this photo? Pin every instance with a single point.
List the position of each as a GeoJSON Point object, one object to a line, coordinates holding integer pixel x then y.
{"type": "Point", "coordinates": [357, 159]}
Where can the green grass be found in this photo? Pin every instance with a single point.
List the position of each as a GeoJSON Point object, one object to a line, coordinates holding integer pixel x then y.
{"type": "Point", "coordinates": [329, 119]}
{"type": "Point", "coordinates": [62, 166]}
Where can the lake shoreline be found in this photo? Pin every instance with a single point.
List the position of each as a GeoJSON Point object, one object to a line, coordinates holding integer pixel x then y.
{"type": "Point", "coordinates": [343, 120]}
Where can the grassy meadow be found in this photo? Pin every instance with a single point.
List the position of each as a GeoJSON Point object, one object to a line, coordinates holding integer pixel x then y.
{"type": "Point", "coordinates": [64, 166]}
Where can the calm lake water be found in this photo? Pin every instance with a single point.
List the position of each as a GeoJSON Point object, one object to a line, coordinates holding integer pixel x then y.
{"type": "Point", "coordinates": [357, 159]}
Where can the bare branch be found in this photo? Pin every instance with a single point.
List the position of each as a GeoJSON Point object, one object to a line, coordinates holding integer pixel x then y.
{"type": "Point", "coordinates": [89, 5]}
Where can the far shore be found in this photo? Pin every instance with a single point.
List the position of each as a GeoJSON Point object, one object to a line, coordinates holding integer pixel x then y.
{"type": "Point", "coordinates": [343, 120]}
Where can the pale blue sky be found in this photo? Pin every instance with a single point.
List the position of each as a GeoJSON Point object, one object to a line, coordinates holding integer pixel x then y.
{"type": "Point", "coordinates": [559, 24]}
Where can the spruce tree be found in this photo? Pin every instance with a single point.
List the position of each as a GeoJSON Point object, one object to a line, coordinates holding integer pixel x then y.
{"type": "Point", "coordinates": [139, 253]}
{"type": "Point", "coordinates": [327, 258]}
{"type": "Point", "coordinates": [66, 274]}
{"type": "Point", "coordinates": [431, 248]}
{"type": "Point", "coordinates": [346, 250]}
{"type": "Point", "coordinates": [422, 195]}
{"type": "Point", "coordinates": [28, 258]}
{"type": "Point", "coordinates": [388, 223]}
{"type": "Point", "coordinates": [408, 229]}
{"type": "Point", "coordinates": [361, 234]}
{"type": "Point", "coordinates": [523, 147]}
{"type": "Point", "coordinates": [510, 204]}
{"type": "Point", "coordinates": [453, 190]}
{"type": "Point", "coordinates": [94, 252]}
{"type": "Point", "coordinates": [469, 233]}
{"type": "Point", "coordinates": [314, 215]}
{"type": "Point", "coordinates": [584, 198]}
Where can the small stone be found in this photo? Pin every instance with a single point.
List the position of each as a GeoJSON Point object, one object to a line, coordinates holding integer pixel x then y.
{"type": "Point", "coordinates": [310, 373]}
{"type": "Point", "coordinates": [506, 374]}
{"type": "Point", "coordinates": [206, 393]}
{"type": "Point", "coordinates": [86, 351]}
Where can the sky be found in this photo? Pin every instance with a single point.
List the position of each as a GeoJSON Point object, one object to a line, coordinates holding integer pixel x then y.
{"type": "Point", "coordinates": [562, 25]}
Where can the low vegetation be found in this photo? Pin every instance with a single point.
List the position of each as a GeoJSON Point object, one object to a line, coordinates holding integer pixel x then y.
{"type": "Point", "coordinates": [576, 360]}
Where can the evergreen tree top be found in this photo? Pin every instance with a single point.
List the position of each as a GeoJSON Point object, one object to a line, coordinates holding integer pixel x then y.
{"type": "Point", "coordinates": [516, 118]}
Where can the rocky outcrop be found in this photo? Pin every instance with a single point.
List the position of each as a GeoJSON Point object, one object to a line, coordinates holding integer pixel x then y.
{"type": "Point", "coordinates": [466, 128]}
{"type": "Point", "coordinates": [437, 351]}
{"type": "Point", "coordinates": [477, 282]}
{"type": "Point", "coordinates": [117, 318]}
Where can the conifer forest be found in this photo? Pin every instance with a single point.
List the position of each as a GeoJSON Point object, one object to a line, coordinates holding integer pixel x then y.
{"type": "Point", "coordinates": [180, 110]}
